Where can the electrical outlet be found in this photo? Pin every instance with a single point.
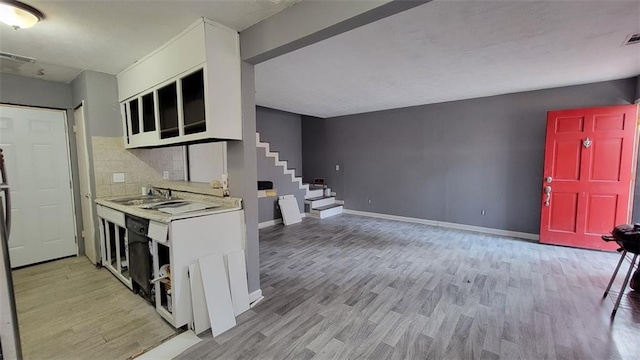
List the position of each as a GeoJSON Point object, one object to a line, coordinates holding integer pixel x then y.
{"type": "Point", "coordinates": [337, 167]}
{"type": "Point", "coordinates": [369, 201]}
{"type": "Point", "coordinates": [165, 175]}
{"type": "Point", "coordinates": [482, 212]}
{"type": "Point", "coordinates": [118, 177]}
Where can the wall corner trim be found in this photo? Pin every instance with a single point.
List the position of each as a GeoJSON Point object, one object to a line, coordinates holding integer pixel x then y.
{"type": "Point", "coordinates": [266, 224]}
{"type": "Point", "coordinates": [255, 297]}
{"type": "Point", "coordinates": [480, 229]}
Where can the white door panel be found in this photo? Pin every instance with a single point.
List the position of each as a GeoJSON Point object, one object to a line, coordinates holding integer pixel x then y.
{"type": "Point", "coordinates": [34, 142]}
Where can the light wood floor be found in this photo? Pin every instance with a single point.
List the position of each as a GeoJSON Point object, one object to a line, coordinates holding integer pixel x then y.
{"type": "Point", "coordinates": [69, 309]}
{"type": "Point", "coordinates": [355, 287]}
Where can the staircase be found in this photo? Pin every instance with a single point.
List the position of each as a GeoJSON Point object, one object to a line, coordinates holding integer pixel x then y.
{"type": "Point", "coordinates": [322, 206]}
{"type": "Point", "coordinates": [316, 203]}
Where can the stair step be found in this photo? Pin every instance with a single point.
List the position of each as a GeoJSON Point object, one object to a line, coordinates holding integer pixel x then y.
{"type": "Point", "coordinates": [327, 207]}
{"type": "Point", "coordinates": [326, 211]}
{"type": "Point", "coordinates": [317, 198]}
{"type": "Point", "coordinates": [314, 193]}
{"type": "Point", "coordinates": [320, 201]}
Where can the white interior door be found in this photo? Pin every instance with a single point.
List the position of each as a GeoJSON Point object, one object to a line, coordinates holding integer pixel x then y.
{"type": "Point", "coordinates": [37, 159]}
{"type": "Point", "coordinates": [85, 191]}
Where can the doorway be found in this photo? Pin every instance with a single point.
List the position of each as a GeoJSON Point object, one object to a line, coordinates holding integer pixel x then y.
{"type": "Point", "coordinates": [38, 166]}
{"type": "Point", "coordinates": [589, 175]}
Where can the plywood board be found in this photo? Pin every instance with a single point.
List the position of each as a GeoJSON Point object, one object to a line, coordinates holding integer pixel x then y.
{"type": "Point", "coordinates": [289, 208]}
{"type": "Point", "coordinates": [201, 321]}
{"type": "Point", "coordinates": [217, 293]}
{"type": "Point", "coordinates": [238, 281]}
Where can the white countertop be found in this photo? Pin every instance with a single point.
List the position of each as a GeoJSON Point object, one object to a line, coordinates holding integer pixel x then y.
{"type": "Point", "coordinates": [159, 216]}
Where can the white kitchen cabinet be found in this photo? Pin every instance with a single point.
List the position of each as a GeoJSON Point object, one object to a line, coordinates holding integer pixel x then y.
{"type": "Point", "coordinates": [189, 240]}
{"type": "Point", "coordinates": [193, 85]}
{"type": "Point", "coordinates": [178, 243]}
{"type": "Point", "coordinates": [113, 243]}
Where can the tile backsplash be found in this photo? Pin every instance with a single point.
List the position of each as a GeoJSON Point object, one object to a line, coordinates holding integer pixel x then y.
{"type": "Point", "coordinates": [140, 166]}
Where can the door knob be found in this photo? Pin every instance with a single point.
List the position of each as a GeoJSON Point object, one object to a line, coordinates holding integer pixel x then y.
{"type": "Point", "coordinates": [548, 179]}
{"type": "Point", "coordinates": [547, 191]}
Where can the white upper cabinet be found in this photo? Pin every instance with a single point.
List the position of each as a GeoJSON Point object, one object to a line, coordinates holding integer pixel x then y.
{"type": "Point", "coordinates": [187, 90]}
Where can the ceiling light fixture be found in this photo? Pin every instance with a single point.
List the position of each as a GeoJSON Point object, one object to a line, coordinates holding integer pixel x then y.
{"type": "Point", "coordinates": [19, 15]}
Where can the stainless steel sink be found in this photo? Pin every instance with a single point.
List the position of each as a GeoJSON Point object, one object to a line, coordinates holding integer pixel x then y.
{"type": "Point", "coordinates": [140, 200]}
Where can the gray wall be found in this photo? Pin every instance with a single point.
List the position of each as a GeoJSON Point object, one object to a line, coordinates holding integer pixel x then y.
{"type": "Point", "coordinates": [267, 170]}
{"type": "Point", "coordinates": [283, 131]}
{"type": "Point", "coordinates": [448, 161]}
{"type": "Point", "coordinates": [21, 90]}
{"type": "Point", "coordinates": [102, 109]}
{"type": "Point", "coordinates": [243, 177]}
{"type": "Point", "coordinates": [98, 93]}
{"type": "Point", "coordinates": [638, 89]}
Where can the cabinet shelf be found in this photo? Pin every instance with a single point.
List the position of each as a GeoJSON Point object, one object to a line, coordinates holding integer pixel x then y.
{"type": "Point", "coordinates": [195, 124]}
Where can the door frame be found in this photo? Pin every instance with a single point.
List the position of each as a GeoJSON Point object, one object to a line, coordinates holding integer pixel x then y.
{"type": "Point", "coordinates": [632, 180]}
{"type": "Point", "coordinates": [85, 150]}
{"type": "Point", "coordinates": [74, 189]}
{"type": "Point", "coordinates": [14, 347]}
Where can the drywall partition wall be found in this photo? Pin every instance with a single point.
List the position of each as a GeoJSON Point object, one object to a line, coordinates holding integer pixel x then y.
{"type": "Point", "coordinates": [21, 90]}
{"type": "Point", "coordinates": [308, 22]}
{"type": "Point", "coordinates": [449, 161]}
{"type": "Point", "coordinates": [102, 106]}
{"type": "Point", "coordinates": [98, 93]}
{"type": "Point", "coordinates": [283, 131]}
{"type": "Point", "coordinates": [243, 174]}
{"type": "Point", "coordinates": [268, 171]}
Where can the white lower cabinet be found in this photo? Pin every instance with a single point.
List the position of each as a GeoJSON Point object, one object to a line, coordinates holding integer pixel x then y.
{"type": "Point", "coordinates": [114, 244]}
{"type": "Point", "coordinates": [177, 244]}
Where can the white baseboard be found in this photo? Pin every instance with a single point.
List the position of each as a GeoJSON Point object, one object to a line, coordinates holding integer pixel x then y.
{"type": "Point", "coordinates": [255, 297]}
{"type": "Point", "coordinates": [450, 225]}
{"type": "Point", "coordinates": [265, 224]}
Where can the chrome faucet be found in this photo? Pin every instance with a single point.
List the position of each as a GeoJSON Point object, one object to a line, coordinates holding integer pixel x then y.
{"type": "Point", "coordinates": [165, 194]}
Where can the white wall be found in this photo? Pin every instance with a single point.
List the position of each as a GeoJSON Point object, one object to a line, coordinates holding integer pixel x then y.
{"type": "Point", "coordinates": [207, 161]}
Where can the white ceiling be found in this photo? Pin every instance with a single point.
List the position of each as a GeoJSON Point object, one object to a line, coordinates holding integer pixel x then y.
{"type": "Point", "coordinates": [108, 36]}
{"type": "Point", "coordinates": [443, 51]}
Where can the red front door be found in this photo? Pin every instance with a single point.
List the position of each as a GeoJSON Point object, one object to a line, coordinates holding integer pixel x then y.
{"type": "Point", "coordinates": [589, 172]}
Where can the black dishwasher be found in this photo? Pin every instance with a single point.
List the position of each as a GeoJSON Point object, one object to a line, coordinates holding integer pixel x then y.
{"type": "Point", "coordinates": [139, 255]}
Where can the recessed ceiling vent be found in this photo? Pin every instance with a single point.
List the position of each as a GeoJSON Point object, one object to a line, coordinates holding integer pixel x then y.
{"type": "Point", "coordinates": [632, 39]}
{"type": "Point", "coordinates": [9, 56]}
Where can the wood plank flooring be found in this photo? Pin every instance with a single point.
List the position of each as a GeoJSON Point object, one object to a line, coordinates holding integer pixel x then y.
{"type": "Point", "coordinates": [351, 287]}
{"type": "Point", "coordinates": [69, 309]}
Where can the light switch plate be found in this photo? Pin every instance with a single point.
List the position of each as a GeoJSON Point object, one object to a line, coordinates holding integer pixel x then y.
{"type": "Point", "coordinates": [118, 177]}
{"type": "Point", "coordinates": [165, 175]}
{"type": "Point", "coordinates": [337, 167]}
